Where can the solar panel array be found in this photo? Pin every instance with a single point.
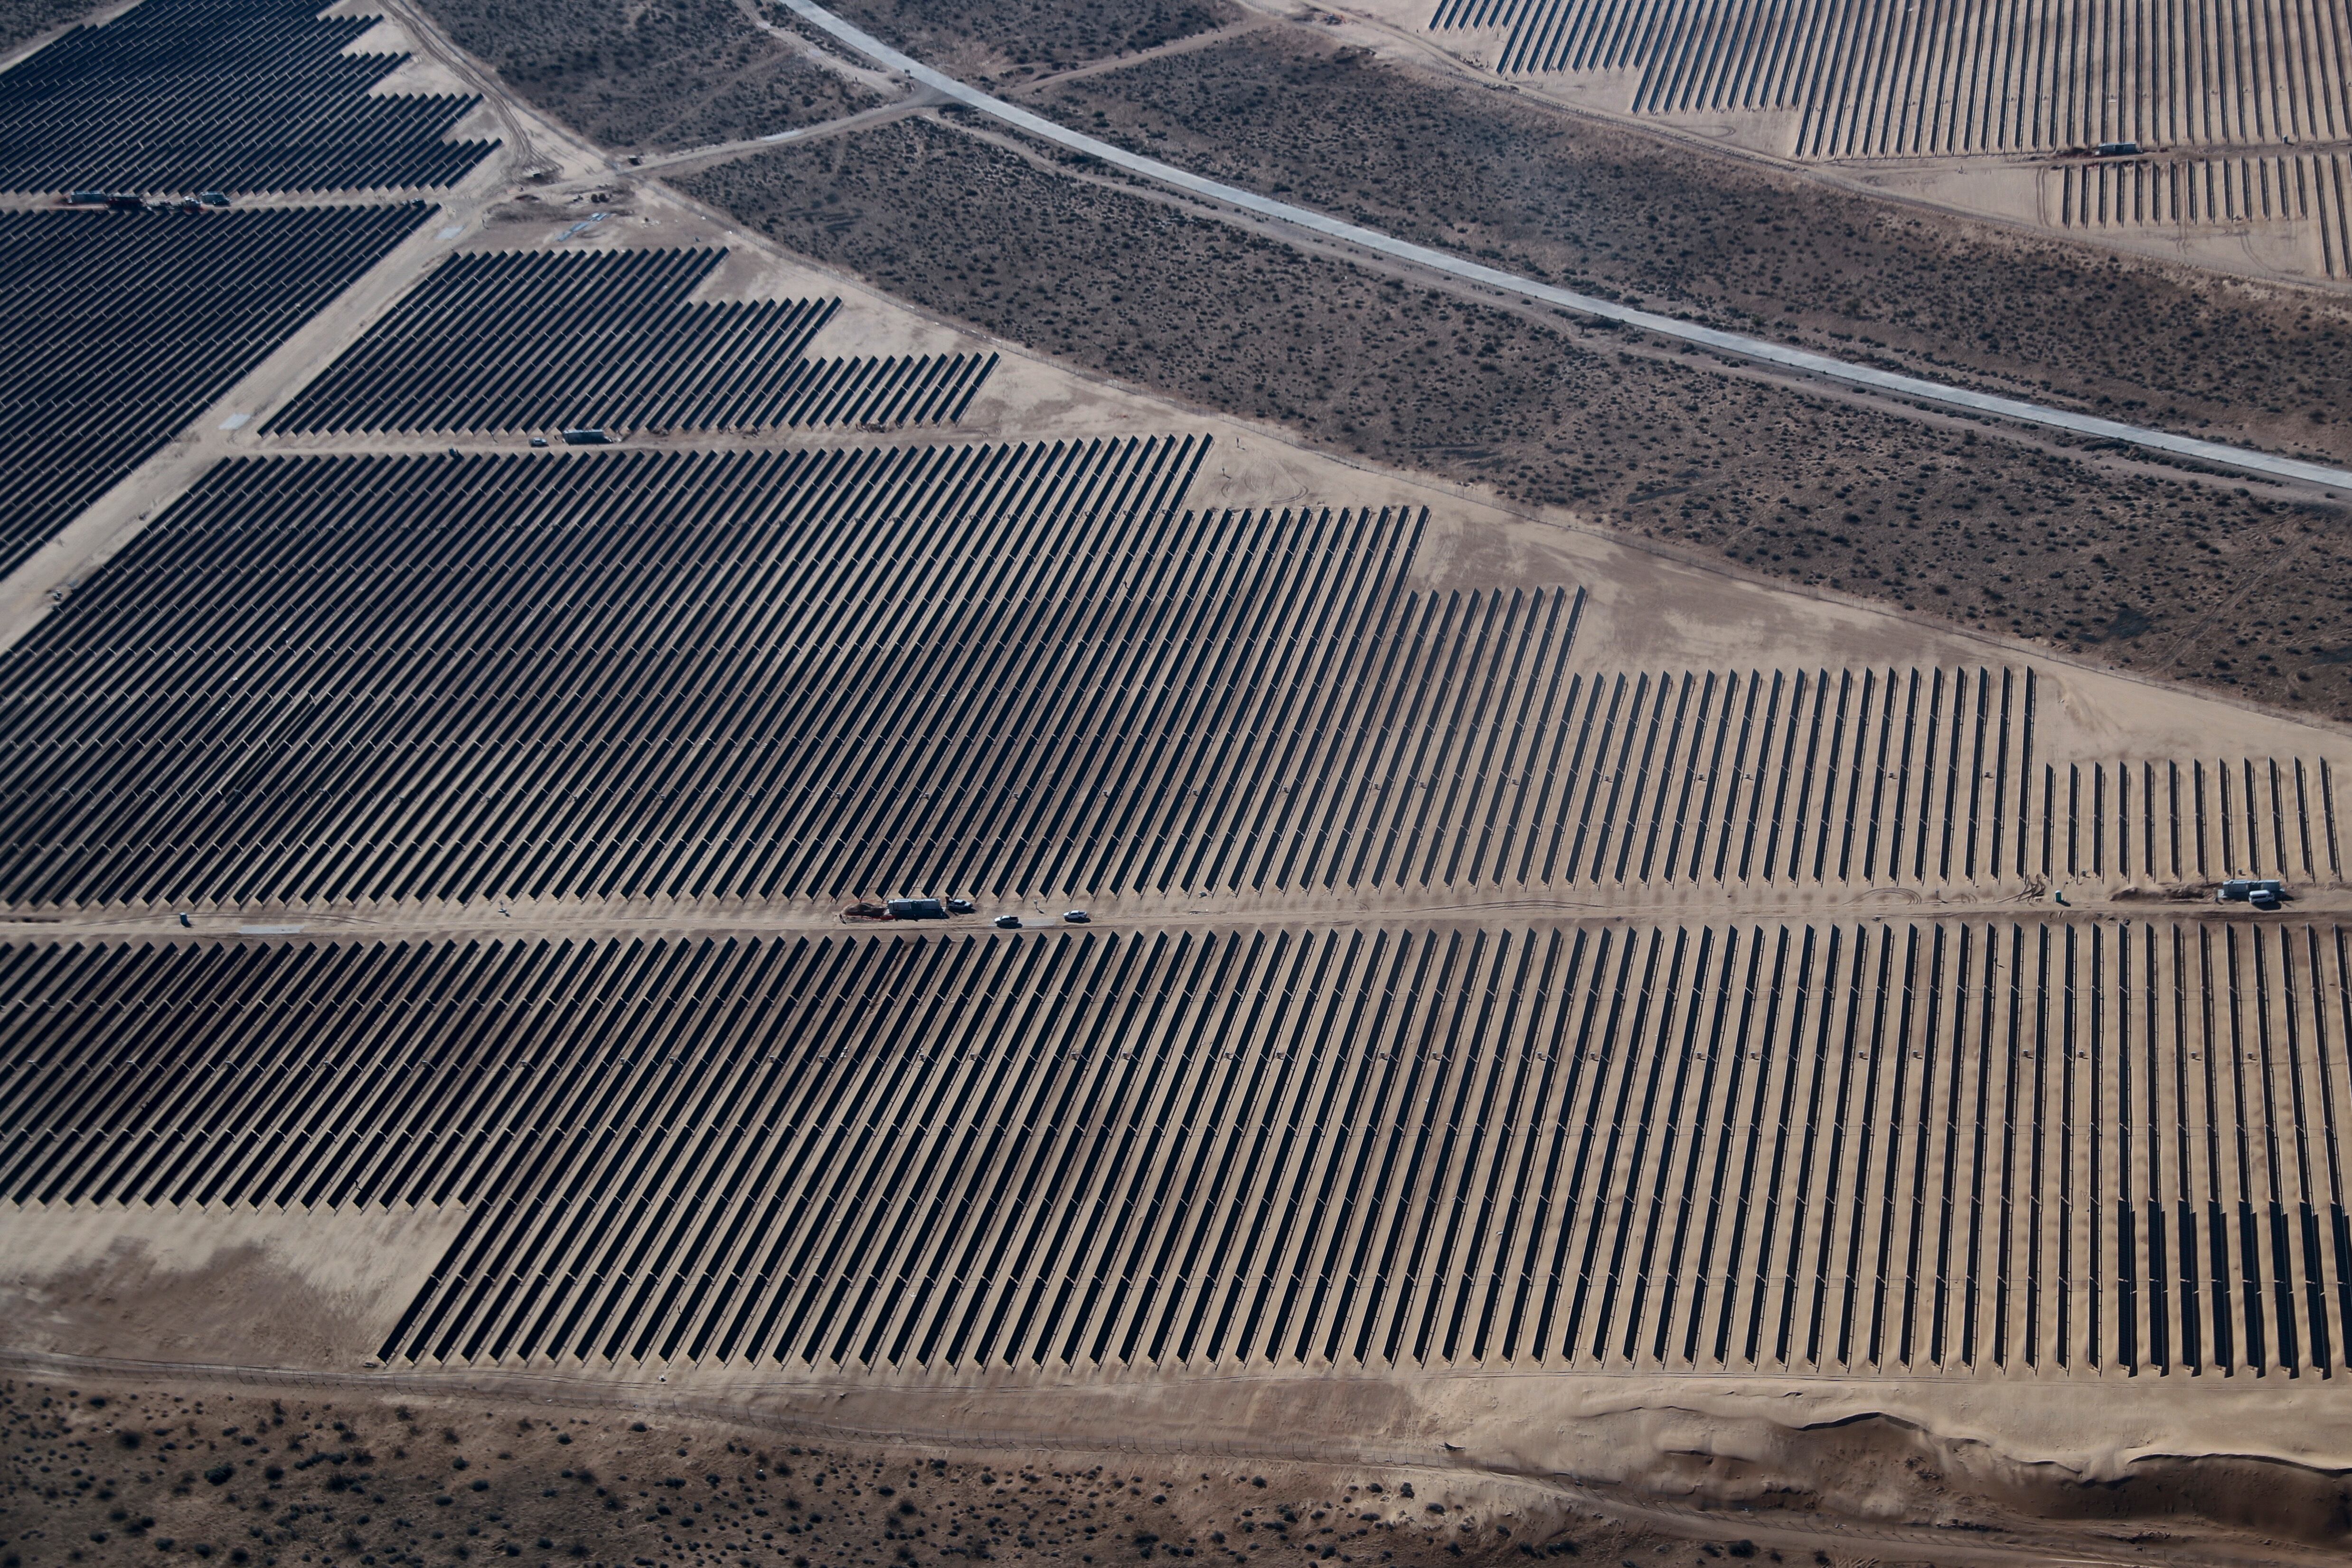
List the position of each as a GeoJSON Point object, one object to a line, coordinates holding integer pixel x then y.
{"type": "Point", "coordinates": [1879, 78]}
{"type": "Point", "coordinates": [182, 95]}
{"type": "Point", "coordinates": [882, 391]}
{"type": "Point", "coordinates": [2190, 820]}
{"type": "Point", "coordinates": [2215, 194]}
{"type": "Point", "coordinates": [1973, 1147]}
{"type": "Point", "coordinates": [1000, 669]}
{"type": "Point", "coordinates": [1982, 1146]}
{"type": "Point", "coordinates": [759, 674]}
{"type": "Point", "coordinates": [551, 340]}
{"type": "Point", "coordinates": [1785, 776]}
{"type": "Point", "coordinates": [116, 328]}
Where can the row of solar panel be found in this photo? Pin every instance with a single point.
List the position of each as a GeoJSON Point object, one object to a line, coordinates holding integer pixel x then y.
{"type": "Point", "coordinates": [1965, 1147]}
{"type": "Point", "coordinates": [181, 96]}
{"type": "Point", "coordinates": [119, 327]}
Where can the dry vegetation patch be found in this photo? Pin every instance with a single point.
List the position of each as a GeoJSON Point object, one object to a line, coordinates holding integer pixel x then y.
{"type": "Point", "coordinates": [21, 19]}
{"type": "Point", "coordinates": [1482, 172]}
{"type": "Point", "coordinates": [1006, 41]}
{"type": "Point", "coordinates": [2182, 576]}
{"type": "Point", "coordinates": [664, 75]}
{"type": "Point", "coordinates": [107, 1472]}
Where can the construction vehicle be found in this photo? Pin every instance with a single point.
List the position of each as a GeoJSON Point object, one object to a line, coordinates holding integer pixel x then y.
{"type": "Point", "coordinates": [906, 909]}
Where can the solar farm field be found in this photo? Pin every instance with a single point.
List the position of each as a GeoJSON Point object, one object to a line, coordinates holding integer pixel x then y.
{"type": "Point", "coordinates": [1969, 1144]}
{"type": "Point", "coordinates": [1972, 1146]}
{"type": "Point", "coordinates": [1872, 80]}
{"type": "Point", "coordinates": [551, 341]}
{"type": "Point", "coordinates": [181, 96]}
{"type": "Point", "coordinates": [1072, 682]}
{"type": "Point", "coordinates": [119, 328]}
{"type": "Point", "coordinates": [818, 830]}
{"type": "Point", "coordinates": [2038, 83]}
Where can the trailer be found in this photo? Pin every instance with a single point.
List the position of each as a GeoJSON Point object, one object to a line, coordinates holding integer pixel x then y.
{"type": "Point", "coordinates": [917, 908]}
{"type": "Point", "coordinates": [908, 909]}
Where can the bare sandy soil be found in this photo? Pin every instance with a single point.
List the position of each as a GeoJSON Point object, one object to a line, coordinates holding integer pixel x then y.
{"type": "Point", "coordinates": [102, 1467]}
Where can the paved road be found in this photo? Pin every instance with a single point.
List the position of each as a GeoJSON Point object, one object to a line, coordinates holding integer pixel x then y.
{"type": "Point", "coordinates": [1764, 351]}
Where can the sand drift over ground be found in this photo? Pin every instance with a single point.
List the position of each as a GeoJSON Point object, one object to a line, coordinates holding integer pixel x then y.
{"type": "Point", "coordinates": [221, 1473]}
